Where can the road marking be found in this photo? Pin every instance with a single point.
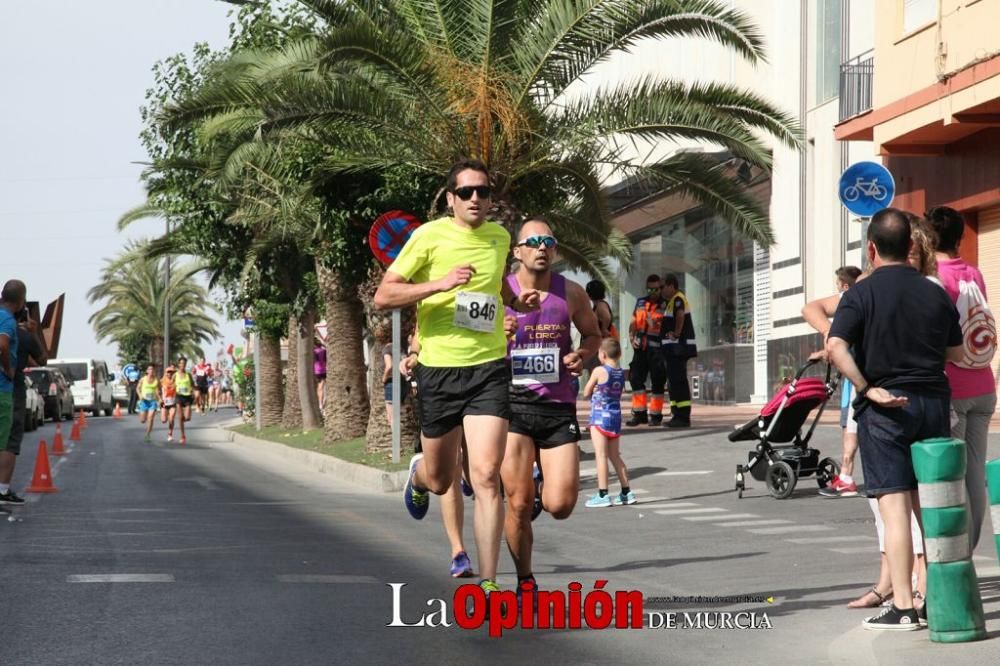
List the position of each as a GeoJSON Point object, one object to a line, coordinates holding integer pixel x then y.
{"type": "Point", "coordinates": [203, 481]}
{"type": "Point", "coordinates": [836, 539]}
{"type": "Point", "coordinates": [684, 473]}
{"type": "Point", "coordinates": [667, 505]}
{"type": "Point", "coordinates": [120, 578]}
{"type": "Point", "coordinates": [792, 528]}
{"type": "Point", "coordinates": [325, 578]}
{"type": "Point", "coordinates": [732, 516]}
{"type": "Point", "coordinates": [754, 523]}
{"type": "Point", "coordinates": [853, 550]}
{"type": "Point", "coordinates": [677, 512]}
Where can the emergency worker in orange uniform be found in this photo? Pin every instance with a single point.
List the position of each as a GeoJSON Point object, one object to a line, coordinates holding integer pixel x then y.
{"type": "Point", "coordinates": [645, 332]}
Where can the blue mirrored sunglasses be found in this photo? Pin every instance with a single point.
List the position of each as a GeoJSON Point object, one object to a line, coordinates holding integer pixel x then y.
{"type": "Point", "coordinates": [536, 242]}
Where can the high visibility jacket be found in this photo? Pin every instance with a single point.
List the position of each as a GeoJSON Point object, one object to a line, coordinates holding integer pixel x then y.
{"type": "Point", "coordinates": [647, 321]}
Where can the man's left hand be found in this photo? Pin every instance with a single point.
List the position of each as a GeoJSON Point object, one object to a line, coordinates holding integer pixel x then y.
{"type": "Point", "coordinates": [528, 299]}
{"type": "Point", "coordinates": [574, 363]}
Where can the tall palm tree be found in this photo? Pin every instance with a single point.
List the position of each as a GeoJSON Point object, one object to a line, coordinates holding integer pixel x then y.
{"type": "Point", "coordinates": [409, 82]}
{"type": "Point", "coordinates": [135, 291]}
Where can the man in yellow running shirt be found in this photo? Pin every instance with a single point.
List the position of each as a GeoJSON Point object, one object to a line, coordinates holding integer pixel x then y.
{"type": "Point", "coordinates": [452, 269]}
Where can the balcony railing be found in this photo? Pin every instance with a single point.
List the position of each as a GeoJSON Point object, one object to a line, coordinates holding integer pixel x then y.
{"type": "Point", "coordinates": [856, 85]}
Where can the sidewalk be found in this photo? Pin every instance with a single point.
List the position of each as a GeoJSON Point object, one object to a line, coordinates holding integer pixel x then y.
{"type": "Point", "coordinates": [728, 416]}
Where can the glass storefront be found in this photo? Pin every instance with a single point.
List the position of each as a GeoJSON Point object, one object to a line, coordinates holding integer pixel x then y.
{"type": "Point", "coordinates": [714, 266]}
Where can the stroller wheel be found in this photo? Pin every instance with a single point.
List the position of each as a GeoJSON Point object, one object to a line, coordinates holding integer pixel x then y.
{"type": "Point", "coordinates": [781, 480]}
{"type": "Point", "coordinates": [827, 470]}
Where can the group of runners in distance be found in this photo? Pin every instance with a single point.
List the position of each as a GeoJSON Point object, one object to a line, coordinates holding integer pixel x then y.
{"type": "Point", "coordinates": [176, 393]}
{"type": "Point", "coordinates": [495, 369]}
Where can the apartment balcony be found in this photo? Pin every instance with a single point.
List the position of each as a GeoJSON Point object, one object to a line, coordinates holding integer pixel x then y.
{"type": "Point", "coordinates": [856, 85]}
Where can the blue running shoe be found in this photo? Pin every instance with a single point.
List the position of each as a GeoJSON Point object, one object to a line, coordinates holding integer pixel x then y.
{"type": "Point", "coordinates": [597, 501]}
{"type": "Point", "coordinates": [627, 498]}
{"type": "Point", "coordinates": [416, 501]}
{"type": "Point", "coordinates": [461, 567]}
{"type": "Point", "coordinates": [536, 508]}
{"type": "Point", "coordinates": [467, 488]}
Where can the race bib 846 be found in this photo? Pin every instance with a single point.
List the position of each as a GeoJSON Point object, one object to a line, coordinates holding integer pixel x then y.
{"type": "Point", "coordinates": [475, 311]}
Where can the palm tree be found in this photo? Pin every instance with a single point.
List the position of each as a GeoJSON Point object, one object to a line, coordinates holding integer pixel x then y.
{"type": "Point", "coordinates": [135, 292]}
{"type": "Point", "coordinates": [406, 82]}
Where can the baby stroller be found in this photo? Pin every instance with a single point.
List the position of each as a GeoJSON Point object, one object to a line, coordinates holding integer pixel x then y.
{"type": "Point", "coordinates": [779, 422]}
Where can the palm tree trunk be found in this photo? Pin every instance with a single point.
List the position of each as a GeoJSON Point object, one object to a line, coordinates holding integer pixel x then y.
{"type": "Point", "coordinates": [156, 354]}
{"type": "Point", "coordinates": [305, 333]}
{"type": "Point", "coordinates": [378, 436]}
{"type": "Point", "coordinates": [345, 410]}
{"type": "Point", "coordinates": [291, 416]}
{"type": "Point", "coordinates": [271, 396]}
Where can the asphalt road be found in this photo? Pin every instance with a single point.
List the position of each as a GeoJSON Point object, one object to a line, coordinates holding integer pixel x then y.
{"type": "Point", "coordinates": [209, 554]}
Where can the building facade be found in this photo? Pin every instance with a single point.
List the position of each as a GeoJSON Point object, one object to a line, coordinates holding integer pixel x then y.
{"type": "Point", "coordinates": [746, 300]}
{"type": "Point", "coordinates": [934, 115]}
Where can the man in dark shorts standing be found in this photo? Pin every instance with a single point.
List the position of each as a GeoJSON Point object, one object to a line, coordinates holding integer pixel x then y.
{"type": "Point", "coordinates": [903, 328]}
{"type": "Point", "coordinates": [452, 269]}
{"type": "Point", "coordinates": [28, 346]}
{"type": "Point", "coordinates": [543, 425]}
{"type": "Point", "coordinates": [201, 374]}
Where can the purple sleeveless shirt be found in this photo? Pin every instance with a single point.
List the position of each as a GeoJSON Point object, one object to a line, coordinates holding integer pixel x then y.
{"type": "Point", "coordinates": [537, 350]}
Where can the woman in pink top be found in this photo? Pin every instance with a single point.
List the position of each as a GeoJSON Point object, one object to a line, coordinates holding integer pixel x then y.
{"type": "Point", "coordinates": [973, 389]}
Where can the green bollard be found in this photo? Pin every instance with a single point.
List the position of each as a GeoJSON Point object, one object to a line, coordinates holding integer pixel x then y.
{"type": "Point", "coordinates": [993, 480]}
{"type": "Point", "coordinates": [954, 607]}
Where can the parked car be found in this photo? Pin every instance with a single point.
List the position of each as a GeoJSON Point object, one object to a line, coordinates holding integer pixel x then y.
{"type": "Point", "coordinates": [90, 382]}
{"type": "Point", "coordinates": [34, 406]}
{"type": "Point", "coordinates": [55, 392]}
{"type": "Point", "coordinates": [119, 389]}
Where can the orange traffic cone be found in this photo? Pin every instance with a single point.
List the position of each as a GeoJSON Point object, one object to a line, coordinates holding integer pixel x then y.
{"type": "Point", "coordinates": [57, 439]}
{"type": "Point", "coordinates": [41, 482]}
{"type": "Point", "coordinates": [118, 410]}
{"type": "Point", "coordinates": [57, 447]}
{"type": "Point", "coordinates": [83, 420]}
{"type": "Point", "coordinates": [74, 434]}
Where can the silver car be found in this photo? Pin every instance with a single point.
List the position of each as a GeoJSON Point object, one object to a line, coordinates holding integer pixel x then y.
{"type": "Point", "coordinates": [34, 407]}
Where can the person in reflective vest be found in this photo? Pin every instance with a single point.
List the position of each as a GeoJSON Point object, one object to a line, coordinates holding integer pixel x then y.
{"type": "Point", "coordinates": [645, 336]}
{"type": "Point", "coordinates": [678, 345]}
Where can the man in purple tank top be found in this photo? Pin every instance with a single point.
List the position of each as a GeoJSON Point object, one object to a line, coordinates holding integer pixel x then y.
{"type": "Point", "coordinates": [543, 425]}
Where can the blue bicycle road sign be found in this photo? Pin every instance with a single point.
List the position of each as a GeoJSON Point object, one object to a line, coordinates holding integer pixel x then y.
{"type": "Point", "coordinates": [866, 188]}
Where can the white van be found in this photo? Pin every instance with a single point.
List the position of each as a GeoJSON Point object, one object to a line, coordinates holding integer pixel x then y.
{"type": "Point", "coordinates": [90, 383]}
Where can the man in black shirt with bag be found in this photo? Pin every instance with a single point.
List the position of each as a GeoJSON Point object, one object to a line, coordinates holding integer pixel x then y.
{"type": "Point", "coordinates": [903, 328]}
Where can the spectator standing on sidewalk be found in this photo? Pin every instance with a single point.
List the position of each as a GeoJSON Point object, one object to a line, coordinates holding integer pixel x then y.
{"type": "Point", "coordinates": [132, 376]}
{"type": "Point", "coordinates": [973, 387]}
{"type": "Point", "coordinates": [903, 328]}
{"type": "Point", "coordinates": [818, 314]}
{"type": "Point", "coordinates": [28, 346]}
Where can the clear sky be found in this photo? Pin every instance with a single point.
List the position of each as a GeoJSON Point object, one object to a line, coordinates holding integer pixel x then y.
{"type": "Point", "coordinates": [72, 78]}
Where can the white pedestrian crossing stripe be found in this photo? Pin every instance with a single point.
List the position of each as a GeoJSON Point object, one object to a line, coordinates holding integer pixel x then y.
{"type": "Point", "coordinates": [754, 523]}
{"type": "Point", "coordinates": [791, 528]}
{"type": "Point", "coordinates": [831, 539]}
{"type": "Point", "coordinates": [326, 579]}
{"type": "Point", "coordinates": [731, 516]}
{"type": "Point", "coordinates": [675, 512]}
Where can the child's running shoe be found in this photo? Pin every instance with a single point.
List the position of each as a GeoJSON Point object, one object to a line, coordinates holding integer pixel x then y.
{"type": "Point", "coordinates": [417, 501]}
{"type": "Point", "coordinates": [461, 567]}
{"type": "Point", "coordinates": [146, 438]}
{"type": "Point", "coordinates": [170, 436]}
{"type": "Point", "coordinates": [627, 498]}
{"type": "Point", "coordinates": [598, 501]}
{"type": "Point", "coordinates": [184, 440]}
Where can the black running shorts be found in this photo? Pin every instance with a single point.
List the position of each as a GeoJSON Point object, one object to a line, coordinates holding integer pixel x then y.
{"type": "Point", "coordinates": [185, 400]}
{"type": "Point", "coordinates": [447, 395]}
{"type": "Point", "coordinates": [549, 427]}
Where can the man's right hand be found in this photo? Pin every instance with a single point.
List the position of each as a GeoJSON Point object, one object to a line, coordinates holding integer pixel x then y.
{"type": "Point", "coordinates": [883, 398]}
{"type": "Point", "coordinates": [635, 342]}
{"type": "Point", "coordinates": [457, 277]}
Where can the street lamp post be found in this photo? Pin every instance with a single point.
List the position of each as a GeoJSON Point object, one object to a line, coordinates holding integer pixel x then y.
{"type": "Point", "coordinates": [166, 313]}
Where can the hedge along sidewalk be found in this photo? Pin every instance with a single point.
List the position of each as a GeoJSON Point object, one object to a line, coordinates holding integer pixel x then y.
{"type": "Point", "coordinates": [346, 460]}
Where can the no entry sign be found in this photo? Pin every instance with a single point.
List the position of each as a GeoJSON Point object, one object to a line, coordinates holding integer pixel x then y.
{"type": "Point", "coordinates": [389, 234]}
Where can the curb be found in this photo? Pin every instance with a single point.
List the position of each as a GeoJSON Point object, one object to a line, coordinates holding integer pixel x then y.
{"type": "Point", "coordinates": [373, 480]}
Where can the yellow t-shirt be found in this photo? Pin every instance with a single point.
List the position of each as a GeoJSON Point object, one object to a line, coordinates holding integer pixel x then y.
{"type": "Point", "coordinates": [448, 338]}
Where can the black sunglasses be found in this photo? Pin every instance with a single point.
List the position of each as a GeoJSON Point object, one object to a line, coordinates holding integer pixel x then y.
{"type": "Point", "coordinates": [538, 241]}
{"type": "Point", "coordinates": [465, 193]}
